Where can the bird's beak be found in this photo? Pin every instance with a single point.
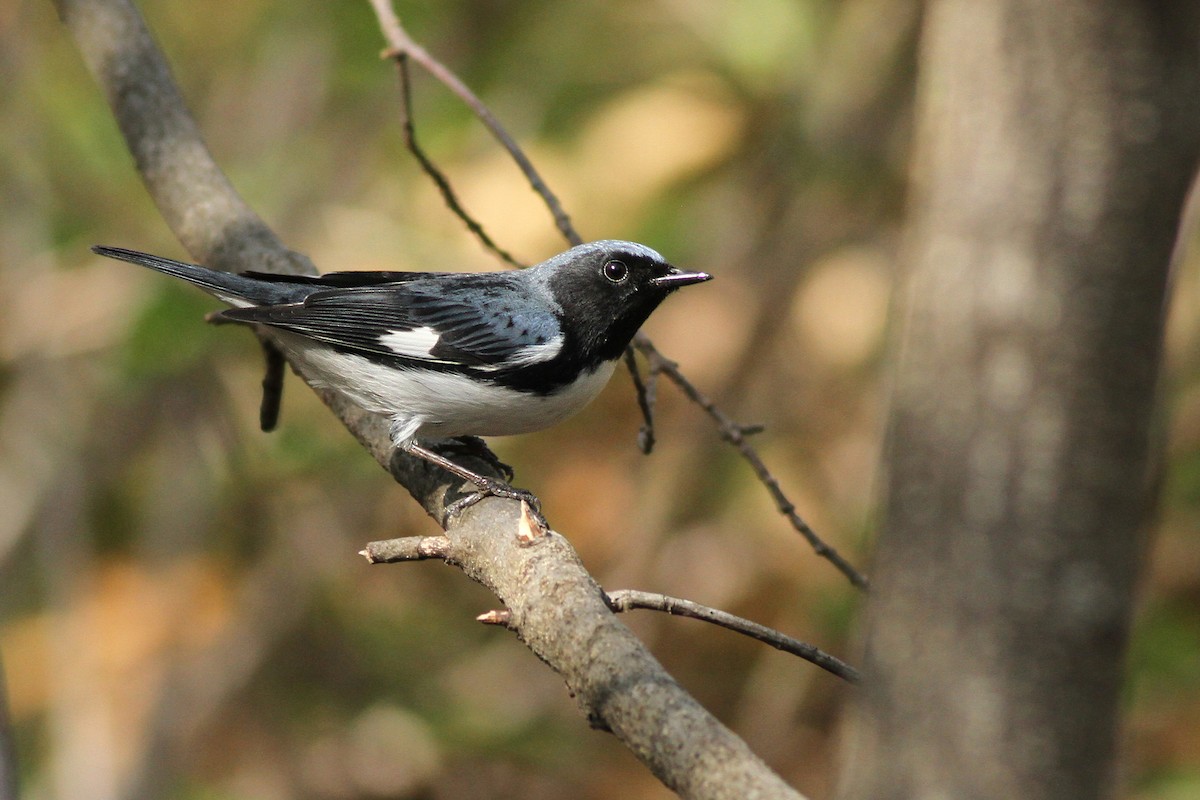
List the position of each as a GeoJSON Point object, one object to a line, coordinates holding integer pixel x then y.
{"type": "Point", "coordinates": [677, 277]}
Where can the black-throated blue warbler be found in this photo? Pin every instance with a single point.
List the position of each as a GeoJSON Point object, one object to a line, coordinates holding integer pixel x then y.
{"type": "Point", "coordinates": [452, 354]}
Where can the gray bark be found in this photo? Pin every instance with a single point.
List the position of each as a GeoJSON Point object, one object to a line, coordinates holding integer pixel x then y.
{"type": "Point", "coordinates": [1056, 144]}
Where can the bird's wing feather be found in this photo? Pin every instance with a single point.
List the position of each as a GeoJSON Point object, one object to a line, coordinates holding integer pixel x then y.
{"type": "Point", "coordinates": [343, 280]}
{"type": "Point", "coordinates": [488, 326]}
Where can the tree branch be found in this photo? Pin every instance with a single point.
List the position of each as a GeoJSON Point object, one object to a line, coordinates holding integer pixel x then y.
{"type": "Point", "coordinates": [647, 394]}
{"type": "Point", "coordinates": [423, 548]}
{"type": "Point", "coordinates": [436, 175]}
{"type": "Point", "coordinates": [736, 434]}
{"type": "Point", "coordinates": [628, 599]}
{"type": "Point", "coordinates": [556, 607]}
{"type": "Point", "coordinates": [409, 548]}
{"type": "Point", "coordinates": [401, 44]}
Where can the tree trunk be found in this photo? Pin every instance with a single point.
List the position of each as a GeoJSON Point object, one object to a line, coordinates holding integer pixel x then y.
{"type": "Point", "coordinates": [1056, 143]}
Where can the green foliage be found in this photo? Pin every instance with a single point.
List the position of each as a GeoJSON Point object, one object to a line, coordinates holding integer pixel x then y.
{"type": "Point", "coordinates": [168, 337]}
{"type": "Point", "coordinates": [1165, 656]}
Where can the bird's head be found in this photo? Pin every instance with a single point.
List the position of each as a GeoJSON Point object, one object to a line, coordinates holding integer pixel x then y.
{"type": "Point", "coordinates": [607, 289]}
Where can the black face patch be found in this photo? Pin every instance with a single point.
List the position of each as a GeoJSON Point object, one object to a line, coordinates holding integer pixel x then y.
{"type": "Point", "coordinates": [607, 294]}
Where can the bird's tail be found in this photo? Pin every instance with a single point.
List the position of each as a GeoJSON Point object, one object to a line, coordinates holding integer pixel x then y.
{"type": "Point", "coordinates": [237, 290]}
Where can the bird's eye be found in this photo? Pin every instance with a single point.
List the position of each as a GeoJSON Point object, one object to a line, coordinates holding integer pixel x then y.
{"type": "Point", "coordinates": [615, 271]}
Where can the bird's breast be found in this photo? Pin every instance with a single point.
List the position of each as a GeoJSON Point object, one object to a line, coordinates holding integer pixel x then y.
{"type": "Point", "coordinates": [435, 404]}
{"type": "Point", "coordinates": [492, 410]}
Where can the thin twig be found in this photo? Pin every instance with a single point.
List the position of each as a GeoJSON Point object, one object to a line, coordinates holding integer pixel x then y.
{"type": "Point", "coordinates": [628, 599]}
{"type": "Point", "coordinates": [399, 42]}
{"type": "Point", "coordinates": [645, 398]}
{"type": "Point", "coordinates": [736, 435]}
{"type": "Point", "coordinates": [436, 175]}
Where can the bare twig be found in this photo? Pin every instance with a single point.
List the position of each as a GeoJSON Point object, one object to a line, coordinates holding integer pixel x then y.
{"type": "Point", "coordinates": [628, 599]}
{"type": "Point", "coordinates": [436, 175]}
{"type": "Point", "coordinates": [410, 548]}
{"type": "Point", "coordinates": [400, 43]}
{"type": "Point", "coordinates": [646, 391]}
{"type": "Point", "coordinates": [497, 616]}
{"type": "Point", "coordinates": [736, 435]}
{"type": "Point", "coordinates": [401, 47]}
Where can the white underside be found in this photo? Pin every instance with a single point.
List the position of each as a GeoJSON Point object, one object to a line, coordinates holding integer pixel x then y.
{"type": "Point", "coordinates": [429, 404]}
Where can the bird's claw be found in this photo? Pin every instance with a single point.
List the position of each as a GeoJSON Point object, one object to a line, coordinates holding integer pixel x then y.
{"type": "Point", "coordinates": [490, 487]}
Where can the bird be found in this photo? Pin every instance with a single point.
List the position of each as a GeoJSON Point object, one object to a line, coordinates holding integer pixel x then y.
{"type": "Point", "coordinates": [453, 355]}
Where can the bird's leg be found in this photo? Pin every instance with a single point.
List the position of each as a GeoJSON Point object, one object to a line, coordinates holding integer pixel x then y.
{"type": "Point", "coordinates": [487, 486]}
{"type": "Point", "coordinates": [475, 446]}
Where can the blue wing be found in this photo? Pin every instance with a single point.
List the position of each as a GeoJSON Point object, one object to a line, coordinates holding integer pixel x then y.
{"type": "Point", "coordinates": [486, 321]}
{"type": "Point", "coordinates": [343, 280]}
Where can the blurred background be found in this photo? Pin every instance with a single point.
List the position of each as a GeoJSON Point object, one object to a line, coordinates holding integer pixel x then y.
{"type": "Point", "coordinates": [183, 612]}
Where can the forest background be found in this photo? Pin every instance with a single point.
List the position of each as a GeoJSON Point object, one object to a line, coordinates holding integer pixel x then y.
{"type": "Point", "coordinates": [179, 593]}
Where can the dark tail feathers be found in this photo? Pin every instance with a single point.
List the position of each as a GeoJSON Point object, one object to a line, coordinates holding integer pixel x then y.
{"type": "Point", "coordinates": [237, 290]}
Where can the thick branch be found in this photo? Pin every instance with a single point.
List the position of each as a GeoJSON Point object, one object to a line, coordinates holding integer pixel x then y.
{"type": "Point", "coordinates": [560, 612]}
{"type": "Point", "coordinates": [193, 195]}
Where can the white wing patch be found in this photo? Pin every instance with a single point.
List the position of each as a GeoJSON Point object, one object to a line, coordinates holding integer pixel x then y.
{"type": "Point", "coordinates": [419, 343]}
{"type": "Point", "coordinates": [231, 299]}
{"type": "Point", "coordinates": [416, 343]}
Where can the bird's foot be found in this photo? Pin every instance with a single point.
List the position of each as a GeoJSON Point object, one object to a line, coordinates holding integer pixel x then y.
{"type": "Point", "coordinates": [492, 487]}
{"type": "Point", "coordinates": [485, 485]}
